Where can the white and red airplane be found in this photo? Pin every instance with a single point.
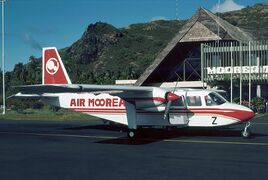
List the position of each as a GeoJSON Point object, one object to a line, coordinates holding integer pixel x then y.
{"type": "Point", "coordinates": [134, 106]}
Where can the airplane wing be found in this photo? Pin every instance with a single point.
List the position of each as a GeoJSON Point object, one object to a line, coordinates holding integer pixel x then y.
{"type": "Point", "coordinates": [121, 91]}
{"type": "Point", "coordinates": [31, 96]}
{"type": "Point", "coordinates": [128, 93]}
{"type": "Point", "coordinates": [131, 94]}
{"type": "Point", "coordinates": [23, 96]}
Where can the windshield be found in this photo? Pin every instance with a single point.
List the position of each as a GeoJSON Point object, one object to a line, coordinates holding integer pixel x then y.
{"type": "Point", "coordinates": [214, 99]}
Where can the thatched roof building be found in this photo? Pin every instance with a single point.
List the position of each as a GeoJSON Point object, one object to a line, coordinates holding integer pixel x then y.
{"type": "Point", "coordinates": [204, 26]}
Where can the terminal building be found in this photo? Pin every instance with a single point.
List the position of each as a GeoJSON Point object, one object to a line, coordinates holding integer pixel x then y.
{"type": "Point", "coordinates": [208, 49]}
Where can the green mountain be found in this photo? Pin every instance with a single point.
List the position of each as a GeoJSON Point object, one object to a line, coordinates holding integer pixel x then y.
{"type": "Point", "coordinates": [254, 19]}
{"type": "Point", "coordinates": [105, 53]}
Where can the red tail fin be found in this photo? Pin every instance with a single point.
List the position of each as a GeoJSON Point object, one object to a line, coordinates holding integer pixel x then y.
{"type": "Point", "coordinates": [53, 69]}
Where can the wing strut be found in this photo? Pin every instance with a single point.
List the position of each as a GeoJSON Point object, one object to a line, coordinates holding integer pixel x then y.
{"type": "Point", "coordinates": [131, 115]}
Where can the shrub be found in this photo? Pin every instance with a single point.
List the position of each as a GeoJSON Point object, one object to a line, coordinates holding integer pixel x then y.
{"type": "Point", "coordinates": [259, 104]}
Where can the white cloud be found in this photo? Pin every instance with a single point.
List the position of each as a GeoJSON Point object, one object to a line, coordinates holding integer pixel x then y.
{"type": "Point", "coordinates": [227, 5]}
{"type": "Point", "coordinates": [156, 18]}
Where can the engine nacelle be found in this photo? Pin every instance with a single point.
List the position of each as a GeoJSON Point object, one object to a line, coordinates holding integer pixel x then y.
{"type": "Point", "coordinates": [155, 100]}
{"type": "Point", "coordinates": [149, 102]}
{"type": "Point", "coordinates": [160, 108]}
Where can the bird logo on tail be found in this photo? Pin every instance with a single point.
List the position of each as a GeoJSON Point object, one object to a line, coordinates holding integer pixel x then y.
{"type": "Point", "coordinates": [52, 66]}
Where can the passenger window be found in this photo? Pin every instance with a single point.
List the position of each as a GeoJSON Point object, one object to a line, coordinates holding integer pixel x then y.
{"type": "Point", "coordinates": [194, 101]}
{"type": "Point", "coordinates": [178, 102]}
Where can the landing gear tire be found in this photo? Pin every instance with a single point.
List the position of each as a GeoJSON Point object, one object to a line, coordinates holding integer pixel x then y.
{"type": "Point", "coordinates": [132, 134]}
{"type": "Point", "coordinates": [246, 132]}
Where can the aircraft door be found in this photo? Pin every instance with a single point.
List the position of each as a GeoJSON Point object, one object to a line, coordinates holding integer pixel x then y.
{"type": "Point", "coordinates": [178, 112]}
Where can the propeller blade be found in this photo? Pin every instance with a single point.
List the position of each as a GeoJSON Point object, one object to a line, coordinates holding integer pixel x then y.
{"type": "Point", "coordinates": [167, 109]}
{"type": "Point", "coordinates": [169, 98]}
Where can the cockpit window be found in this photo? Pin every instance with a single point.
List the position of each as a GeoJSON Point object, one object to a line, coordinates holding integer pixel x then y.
{"type": "Point", "coordinates": [214, 99]}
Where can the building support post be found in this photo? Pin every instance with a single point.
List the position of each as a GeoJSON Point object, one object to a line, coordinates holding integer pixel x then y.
{"type": "Point", "coordinates": [240, 81]}
{"type": "Point", "coordinates": [3, 57]}
{"type": "Point", "coordinates": [249, 75]}
{"type": "Point", "coordinates": [258, 87]}
{"type": "Point", "coordinates": [258, 90]}
{"type": "Point", "coordinates": [232, 65]}
{"type": "Point", "coordinates": [202, 65]}
{"type": "Point", "coordinates": [184, 62]}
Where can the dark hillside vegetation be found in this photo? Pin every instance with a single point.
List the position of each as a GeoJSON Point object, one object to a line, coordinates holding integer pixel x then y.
{"type": "Point", "coordinates": [254, 19]}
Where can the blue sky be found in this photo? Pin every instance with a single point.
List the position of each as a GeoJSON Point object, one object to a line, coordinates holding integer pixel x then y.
{"type": "Point", "coordinates": [32, 24]}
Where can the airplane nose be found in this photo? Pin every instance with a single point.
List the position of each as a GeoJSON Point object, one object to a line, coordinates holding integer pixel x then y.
{"type": "Point", "coordinates": [248, 114]}
{"type": "Point", "coordinates": [239, 112]}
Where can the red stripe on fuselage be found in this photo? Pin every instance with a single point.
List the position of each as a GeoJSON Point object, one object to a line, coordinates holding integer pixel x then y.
{"type": "Point", "coordinates": [241, 115]}
{"type": "Point", "coordinates": [229, 113]}
{"type": "Point", "coordinates": [151, 99]}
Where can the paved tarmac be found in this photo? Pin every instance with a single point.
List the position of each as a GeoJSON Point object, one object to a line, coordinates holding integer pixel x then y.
{"type": "Point", "coordinates": [74, 150]}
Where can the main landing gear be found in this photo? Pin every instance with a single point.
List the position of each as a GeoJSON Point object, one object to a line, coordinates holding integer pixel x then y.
{"type": "Point", "coordinates": [246, 132]}
{"type": "Point", "coordinates": [132, 133]}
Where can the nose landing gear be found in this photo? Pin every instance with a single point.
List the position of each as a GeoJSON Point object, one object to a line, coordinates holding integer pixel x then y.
{"type": "Point", "coordinates": [246, 132]}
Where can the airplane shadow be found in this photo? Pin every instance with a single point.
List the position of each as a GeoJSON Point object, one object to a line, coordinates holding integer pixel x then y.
{"type": "Point", "coordinates": [100, 127]}
{"type": "Point", "coordinates": [150, 135]}
{"type": "Point", "coordinates": [144, 136]}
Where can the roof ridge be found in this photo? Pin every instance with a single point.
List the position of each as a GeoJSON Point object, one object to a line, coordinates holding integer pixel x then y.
{"type": "Point", "coordinates": [223, 23]}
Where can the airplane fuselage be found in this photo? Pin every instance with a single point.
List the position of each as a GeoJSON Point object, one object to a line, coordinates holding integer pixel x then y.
{"type": "Point", "coordinates": [192, 109]}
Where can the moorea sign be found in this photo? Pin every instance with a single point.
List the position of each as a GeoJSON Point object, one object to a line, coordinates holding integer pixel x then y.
{"type": "Point", "coordinates": [237, 70]}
